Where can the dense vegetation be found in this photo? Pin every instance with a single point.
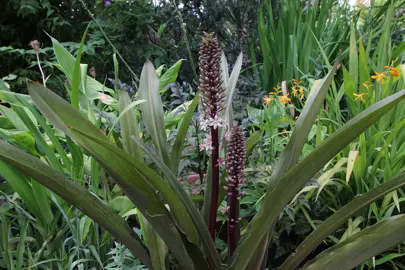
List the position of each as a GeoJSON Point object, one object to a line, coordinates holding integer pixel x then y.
{"type": "Point", "coordinates": [202, 134]}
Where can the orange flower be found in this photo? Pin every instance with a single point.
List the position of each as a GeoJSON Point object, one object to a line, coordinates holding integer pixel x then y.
{"type": "Point", "coordinates": [360, 96]}
{"type": "Point", "coordinates": [394, 72]}
{"type": "Point", "coordinates": [367, 84]}
{"type": "Point", "coordinates": [295, 91]}
{"type": "Point", "coordinates": [379, 77]}
{"type": "Point", "coordinates": [301, 93]}
{"type": "Point", "coordinates": [294, 81]}
{"type": "Point", "coordinates": [268, 100]}
{"type": "Point", "coordinates": [285, 99]}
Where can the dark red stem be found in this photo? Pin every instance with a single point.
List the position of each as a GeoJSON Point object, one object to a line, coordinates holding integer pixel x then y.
{"type": "Point", "coordinates": [215, 183]}
{"type": "Point", "coordinates": [233, 221]}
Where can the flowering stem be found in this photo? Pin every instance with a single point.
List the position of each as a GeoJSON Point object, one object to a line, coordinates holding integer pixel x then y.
{"type": "Point", "coordinates": [235, 163]}
{"type": "Point", "coordinates": [40, 69]}
{"type": "Point", "coordinates": [233, 223]}
{"type": "Point", "coordinates": [215, 182]}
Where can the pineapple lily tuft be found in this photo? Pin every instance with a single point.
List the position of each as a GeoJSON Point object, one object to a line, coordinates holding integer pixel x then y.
{"type": "Point", "coordinates": [212, 100]}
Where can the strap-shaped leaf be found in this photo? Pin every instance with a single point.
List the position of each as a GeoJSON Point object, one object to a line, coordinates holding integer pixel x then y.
{"type": "Point", "coordinates": [139, 191]}
{"type": "Point", "coordinates": [293, 150]}
{"type": "Point", "coordinates": [152, 110]}
{"type": "Point", "coordinates": [337, 219]}
{"type": "Point", "coordinates": [129, 125]}
{"type": "Point", "coordinates": [169, 76]}
{"type": "Point", "coordinates": [67, 64]}
{"type": "Point", "coordinates": [230, 90]}
{"type": "Point", "coordinates": [190, 233]}
{"type": "Point", "coordinates": [208, 245]}
{"type": "Point", "coordinates": [177, 148]}
{"type": "Point", "coordinates": [75, 195]}
{"type": "Point", "coordinates": [170, 197]}
{"type": "Point", "coordinates": [361, 246]}
{"type": "Point", "coordinates": [294, 180]}
{"type": "Point", "coordinates": [77, 79]}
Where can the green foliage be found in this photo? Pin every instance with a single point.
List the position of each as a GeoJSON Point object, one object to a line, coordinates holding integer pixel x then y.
{"type": "Point", "coordinates": [324, 156]}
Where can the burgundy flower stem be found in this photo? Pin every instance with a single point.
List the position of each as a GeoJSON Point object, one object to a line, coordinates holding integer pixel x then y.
{"type": "Point", "coordinates": [235, 163]}
{"type": "Point", "coordinates": [233, 224]}
{"type": "Point", "coordinates": [215, 183]}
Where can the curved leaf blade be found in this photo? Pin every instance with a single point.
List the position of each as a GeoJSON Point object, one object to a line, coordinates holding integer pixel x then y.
{"type": "Point", "coordinates": [361, 246]}
{"type": "Point", "coordinates": [294, 180]}
{"type": "Point", "coordinates": [75, 195]}
{"type": "Point", "coordinates": [138, 190]}
{"type": "Point", "coordinates": [177, 147]}
{"type": "Point", "coordinates": [293, 150]}
{"type": "Point", "coordinates": [152, 110]}
{"type": "Point", "coordinates": [77, 72]}
{"type": "Point", "coordinates": [339, 218]}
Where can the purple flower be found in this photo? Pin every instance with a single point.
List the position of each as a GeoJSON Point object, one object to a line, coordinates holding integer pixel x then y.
{"type": "Point", "coordinates": [107, 4]}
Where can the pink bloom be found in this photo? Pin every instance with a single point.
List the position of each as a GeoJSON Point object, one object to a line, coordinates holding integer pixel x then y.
{"type": "Point", "coordinates": [103, 97]}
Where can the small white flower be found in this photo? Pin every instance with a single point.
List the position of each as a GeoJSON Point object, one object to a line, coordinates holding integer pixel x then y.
{"type": "Point", "coordinates": [206, 145]}
{"type": "Point", "coordinates": [204, 125]}
{"type": "Point", "coordinates": [215, 122]}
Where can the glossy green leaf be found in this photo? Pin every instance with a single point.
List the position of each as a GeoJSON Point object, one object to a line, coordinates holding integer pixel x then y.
{"type": "Point", "coordinates": [252, 141]}
{"type": "Point", "coordinates": [21, 245]}
{"type": "Point", "coordinates": [338, 219]}
{"type": "Point", "coordinates": [75, 195]}
{"type": "Point", "coordinates": [129, 123]}
{"type": "Point", "coordinates": [294, 180]}
{"type": "Point", "coordinates": [177, 148]}
{"type": "Point", "coordinates": [13, 117]}
{"type": "Point", "coordinates": [199, 224]}
{"type": "Point", "coordinates": [74, 95]}
{"type": "Point", "coordinates": [152, 110]}
{"type": "Point", "coordinates": [169, 76]}
{"type": "Point", "coordinates": [67, 65]}
{"type": "Point", "coordinates": [21, 184]}
{"type": "Point", "coordinates": [43, 200]}
{"type": "Point", "coordinates": [157, 247]}
{"type": "Point", "coordinates": [230, 90]}
{"type": "Point", "coordinates": [353, 55]}
{"type": "Point", "coordinates": [361, 246]}
{"type": "Point", "coordinates": [72, 122]}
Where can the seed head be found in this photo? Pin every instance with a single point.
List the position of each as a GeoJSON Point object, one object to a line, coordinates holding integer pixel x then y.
{"type": "Point", "coordinates": [35, 45]}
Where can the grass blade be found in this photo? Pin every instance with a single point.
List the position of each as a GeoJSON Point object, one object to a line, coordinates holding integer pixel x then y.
{"type": "Point", "coordinates": [178, 145]}
{"type": "Point", "coordinates": [339, 218]}
{"type": "Point", "coordinates": [138, 190]}
{"type": "Point", "coordinates": [74, 98]}
{"type": "Point", "coordinates": [361, 246]}
{"type": "Point", "coordinates": [152, 110]}
{"type": "Point", "coordinates": [21, 245]}
{"type": "Point", "coordinates": [75, 195]}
